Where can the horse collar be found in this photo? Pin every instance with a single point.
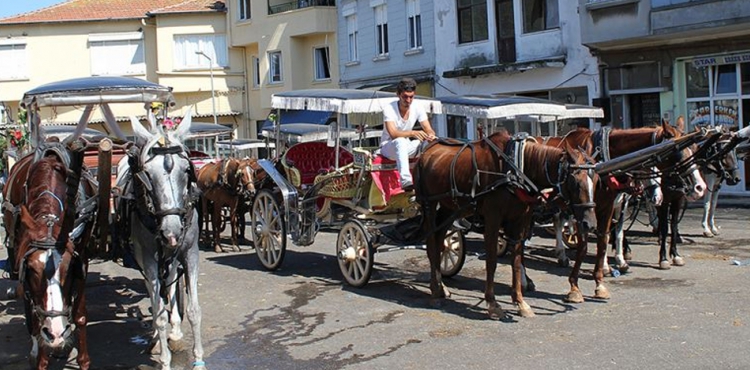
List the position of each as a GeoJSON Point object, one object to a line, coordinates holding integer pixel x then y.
{"type": "Point", "coordinates": [601, 142]}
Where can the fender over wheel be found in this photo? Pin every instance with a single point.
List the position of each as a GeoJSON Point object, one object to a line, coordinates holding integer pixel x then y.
{"type": "Point", "coordinates": [355, 254]}
{"type": "Point", "coordinates": [268, 230]}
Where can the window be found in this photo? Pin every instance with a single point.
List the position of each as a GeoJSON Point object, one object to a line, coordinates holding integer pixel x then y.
{"type": "Point", "coordinates": [322, 64]}
{"type": "Point", "coordinates": [725, 79]}
{"type": "Point", "coordinates": [13, 60]}
{"type": "Point", "coordinates": [697, 81]}
{"type": "Point", "coordinates": [381, 30]}
{"type": "Point", "coordinates": [275, 67]}
{"type": "Point", "coordinates": [540, 15]}
{"type": "Point", "coordinates": [256, 71]}
{"type": "Point", "coordinates": [186, 46]}
{"type": "Point", "coordinates": [351, 30]}
{"type": "Point", "coordinates": [414, 24]}
{"type": "Point", "coordinates": [243, 9]}
{"type": "Point", "coordinates": [472, 20]}
{"type": "Point", "coordinates": [457, 127]}
{"type": "Point", "coordinates": [117, 54]}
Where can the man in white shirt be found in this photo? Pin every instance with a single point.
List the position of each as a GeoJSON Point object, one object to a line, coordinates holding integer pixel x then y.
{"type": "Point", "coordinates": [400, 117]}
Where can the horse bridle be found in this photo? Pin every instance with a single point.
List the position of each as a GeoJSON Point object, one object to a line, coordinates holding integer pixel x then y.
{"type": "Point", "coordinates": [143, 188]}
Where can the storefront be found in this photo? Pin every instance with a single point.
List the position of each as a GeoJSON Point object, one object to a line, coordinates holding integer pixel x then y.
{"type": "Point", "coordinates": [715, 90]}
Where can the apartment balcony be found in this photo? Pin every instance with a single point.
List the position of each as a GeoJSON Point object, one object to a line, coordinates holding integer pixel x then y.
{"type": "Point", "coordinates": [275, 7]}
{"type": "Point", "coordinates": [618, 24]}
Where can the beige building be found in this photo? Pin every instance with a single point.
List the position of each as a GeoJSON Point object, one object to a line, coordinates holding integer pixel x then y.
{"type": "Point", "coordinates": [288, 45]}
{"type": "Point", "coordinates": [157, 40]}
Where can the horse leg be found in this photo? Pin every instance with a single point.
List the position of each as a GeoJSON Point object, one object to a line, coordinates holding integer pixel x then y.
{"type": "Point", "coordinates": [81, 319]}
{"type": "Point", "coordinates": [194, 309]}
{"type": "Point", "coordinates": [562, 257]}
{"type": "Point", "coordinates": [707, 203]}
{"type": "Point", "coordinates": [159, 312]}
{"type": "Point", "coordinates": [491, 233]}
{"type": "Point", "coordinates": [604, 212]}
{"type": "Point", "coordinates": [712, 210]}
{"type": "Point", "coordinates": [233, 225]}
{"type": "Point", "coordinates": [619, 237]}
{"type": "Point", "coordinates": [516, 287]}
{"type": "Point", "coordinates": [663, 231]}
{"type": "Point", "coordinates": [677, 260]}
{"type": "Point", "coordinates": [434, 246]}
{"type": "Point", "coordinates": [216, 218]}
{"type": "Point", "coordinates": [175, 320]}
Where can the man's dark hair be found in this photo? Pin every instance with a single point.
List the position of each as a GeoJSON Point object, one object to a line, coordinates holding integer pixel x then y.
{"type": "Point", "coordinates": [406, 84]}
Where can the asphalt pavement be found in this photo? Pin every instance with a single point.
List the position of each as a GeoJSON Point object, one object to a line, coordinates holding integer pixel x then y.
{"type": "Point", "coordinates": [303, 317]}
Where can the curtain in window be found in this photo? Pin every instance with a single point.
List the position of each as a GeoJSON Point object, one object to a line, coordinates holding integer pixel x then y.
{"type": "Point", "coordinates": [117, 57]}
{"type": "Point", "coordinates": [351, 29]}
{"type": "Point", "coordinates": [214, 46]}
{"type": "Point", "coordinates": [13, 61]}
{"type": "Point", "coordinates": [322, 70]}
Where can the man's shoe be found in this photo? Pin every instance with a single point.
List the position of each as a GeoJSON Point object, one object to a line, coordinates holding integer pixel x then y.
{"type": "Point", "coordinates": [407, 186]}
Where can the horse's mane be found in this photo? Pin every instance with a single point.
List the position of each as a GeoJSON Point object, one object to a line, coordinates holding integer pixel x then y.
{"type": "Point", "coordinates": [543, 156]}
{"type": "Point", "coordinates": [578, 135]}
{"type": "Point", "coordinates": [637, 131]}
{"type": "Point", "coordinates": [47, 174]}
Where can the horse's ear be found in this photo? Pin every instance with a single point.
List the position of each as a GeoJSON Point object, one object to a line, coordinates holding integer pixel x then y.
{"type": "Point", "coordinates": [142, 135]}
{"type": "Point", "coordinates": [183, 129]}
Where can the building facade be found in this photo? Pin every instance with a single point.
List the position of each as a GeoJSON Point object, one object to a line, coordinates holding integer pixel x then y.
{"type": "Point", "coordinates": [286, 45]}
{"type": "Point", "coordinates": [518, 47]}
{"type": "Point", "coordinates": [155, 40]}
{"type": "Point", "coordinates": [670, 58]}
{"type": "Point", "coordinates": [380, 42]}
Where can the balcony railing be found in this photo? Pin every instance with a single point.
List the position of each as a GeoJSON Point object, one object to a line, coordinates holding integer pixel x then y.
{"type": "Point", "coordinates": [298, 4]}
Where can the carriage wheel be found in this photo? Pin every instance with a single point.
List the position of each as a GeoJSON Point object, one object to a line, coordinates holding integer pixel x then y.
{"type": "Point", "coordinates": [570, 235]}
{"type": "Point", "coordinates": [453, 255]}
{"type": "Point", "coordinates": [181, 295]}
{"type": "Point", "coordinates": [502, 247]}
{"type": "Point", "coordinates": [355, 254]}
{"type": "Point", "coordinates": [268, 230]}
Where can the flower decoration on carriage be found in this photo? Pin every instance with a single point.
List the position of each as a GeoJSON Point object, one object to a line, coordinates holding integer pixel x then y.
{"type": "Point", "coordinates": [171, 124]}
{"type": "Point", "coordinates": [19, 137]}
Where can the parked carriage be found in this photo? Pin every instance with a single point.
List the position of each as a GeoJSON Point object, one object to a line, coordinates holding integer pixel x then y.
{"type": "Point", "coordinates": [326, 178]}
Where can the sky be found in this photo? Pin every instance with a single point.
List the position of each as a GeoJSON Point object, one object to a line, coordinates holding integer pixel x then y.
{"type": "Point", "coordinates": [14, 7]}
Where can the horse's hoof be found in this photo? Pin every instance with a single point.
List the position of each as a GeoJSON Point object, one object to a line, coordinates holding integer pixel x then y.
{"type": "Point", "coordinates": [664, 265]}
{"type": "Point", "coordinates": [525, 310]}
{"type": "Point", "coordinates": [218, 249]}
{"type": "Point", "coordinates": [574, 296]}
{"type": "Point", "coordinates": [606, 269]}
{"type": "Point", "coordinates": [563, 262]}
{"type": "Point", "coordinates": [495, 312]}
{"type": "Point", "coordinates": [530, 286]}
{"type": "Point", "coordinates": [235, 248]}
{"type": "Point", "coordinates": [446, 292]}
{"type": "Point", "coordinates": [436, 302]}
{"type": "Point", "coordinates": [708, 234]}
{"type": "Point", "coordinates": [176, 345]}
{"type": "Point", "coordinates": [678, 239]}
{"type": "Point", "coordinates": [678, 261]}
{"type": "Point", "coordinates": [601, 292]}
{"type": "Point", "coordinates": [623, 268]}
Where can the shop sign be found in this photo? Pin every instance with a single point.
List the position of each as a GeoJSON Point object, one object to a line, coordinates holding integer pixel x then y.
{"type": "Point", "coordinates": [722, 59]}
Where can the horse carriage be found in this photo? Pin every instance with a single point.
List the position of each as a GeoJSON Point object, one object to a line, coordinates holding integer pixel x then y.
{"type": "Point", "coordinates": [327, 179]}
{"type": "Point", "coordinates": [54, 204]}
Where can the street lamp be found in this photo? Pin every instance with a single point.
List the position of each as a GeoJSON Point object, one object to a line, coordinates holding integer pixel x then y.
{"type": "Point", "coordinates": [213, 94]}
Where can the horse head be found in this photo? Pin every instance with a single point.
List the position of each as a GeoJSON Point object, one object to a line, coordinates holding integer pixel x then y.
{"type": "Point", "coordinates": [722, 158]}
{"type": "Point", "coordinates": [246, 175]}
{"type": "Point", "coordinates": [578, 185]}
{"type": "Point", "coordinates": [680, 171]}
{"type": "Point", "coordinates": [48, 267]}
{"type": "Point", "coordinates": [164, 179]}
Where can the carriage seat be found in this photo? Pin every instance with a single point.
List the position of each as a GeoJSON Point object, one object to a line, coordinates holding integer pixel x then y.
{"type": "Point", "coordinates": [304, 161]}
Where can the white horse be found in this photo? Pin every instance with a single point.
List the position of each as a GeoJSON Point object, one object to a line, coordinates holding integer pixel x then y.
{"type": "Point", "coordinates": [157, 211]}
{"type": "Point", "coordinates": [715, 172]}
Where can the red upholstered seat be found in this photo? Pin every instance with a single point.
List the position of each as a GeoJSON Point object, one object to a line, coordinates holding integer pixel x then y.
{"type": "Point", "coordinates": [313, 158]}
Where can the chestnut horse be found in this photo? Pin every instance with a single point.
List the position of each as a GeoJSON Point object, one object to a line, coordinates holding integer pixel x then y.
{"type": "Point", "coordinates": [455, 180]}
{"type": "Point", "coordinates": [226, 183]}
{"type": "Point", "coordinates": [51, 269]}
{"type": "Point", "coordinates": [621, 142]}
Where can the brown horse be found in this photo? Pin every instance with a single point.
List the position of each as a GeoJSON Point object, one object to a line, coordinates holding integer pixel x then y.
{"type": "Point", "coordinates": [453, 181]}
{"type": "Point", "coordinates": [226, 183]}
{"type": "Point", "coordinates": [52, 273]}
{"type": "Point", "coordinates": [621, 142]}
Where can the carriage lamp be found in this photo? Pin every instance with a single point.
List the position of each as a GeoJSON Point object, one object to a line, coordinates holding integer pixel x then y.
{"type": "Point", "coordinates": [213, 93]}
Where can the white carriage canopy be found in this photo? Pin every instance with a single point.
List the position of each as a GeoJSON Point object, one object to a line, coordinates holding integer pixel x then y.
{"type": "Point", "coordinates": [344, 101]}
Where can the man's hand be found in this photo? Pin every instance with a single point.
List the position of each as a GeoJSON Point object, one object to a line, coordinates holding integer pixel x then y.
{"type": "Point", "coordinates": [422, 136]}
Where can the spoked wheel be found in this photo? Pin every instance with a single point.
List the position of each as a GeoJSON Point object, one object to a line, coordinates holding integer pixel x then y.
{"type": "Point", "coordinates": [453, 254]}
{"type": "Point", "coordinates": [355, 254]}
{"type": "Point", "coordinates": [502, 247]}
{"type": "Point", "coordinates": [268, 230]}
{"type": "Point", "coordinates": [181, 295]}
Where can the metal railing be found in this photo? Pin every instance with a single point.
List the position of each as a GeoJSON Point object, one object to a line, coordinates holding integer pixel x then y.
{"type": "Point", "coordinates": [298, 4]}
